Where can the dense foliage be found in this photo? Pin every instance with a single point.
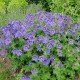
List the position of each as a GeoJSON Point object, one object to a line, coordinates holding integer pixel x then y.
{"type": "Point", "coordinates": [43, 46]}
{"type": "Point", "coordinates": [68, 7]}
{"type": "Point", "coordinates": [17, 5]}
{"type": "Point", "coordinates": [2, 7]}
{"type": "Point", "coordinates": [45, 3]}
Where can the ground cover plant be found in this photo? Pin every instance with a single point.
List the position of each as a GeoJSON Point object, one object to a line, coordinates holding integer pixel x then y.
{"type": "Point", "coordinates": [43, 46]}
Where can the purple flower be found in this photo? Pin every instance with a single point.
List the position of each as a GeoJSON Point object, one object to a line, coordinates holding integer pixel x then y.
{"type": "Point", "coordinates": [52, 23]}
{"type": "Point", "coordinates": [65, 25]}
{"type": "Point", "coordinates": [76, 25]}
{"type": "Point", "coordinates": [47, 50]}
{"type": "Point", "coordinates": [61, 30]}
{"type": "Point", "coordinates": [77, 37]}
{"type": "Point", "coordinates": [41, 58]}
{"type": "Point", "coordinates": [23, 31]}
{"type": "Point", "coordinates": [38, 48]}
{"type": "Point", "coordinates": [25, 47]}
{"type": "Point", "coordinates": [61, 16]}
{"type": "Point", "coordinates": [66, 18]}
{"type": "Point", "coordinates": [52, 41]}
{"type": "Point", "coordinates": [7, 41]}
{"type": "Point", "coordinates": [34, 57]}
{"type": "Point", "coordinates": [47, 26]}
{"type": "Point", "coordinates": [46, 32]}
{"type": "Point", "coordinates": [60, 53]}
{"type": "Point", "coordinates": [25, 77]}
{"type": "Point", "coordinates": [40, 13]}
{"type": "Point", "coordinates": [49, 46]}
{"type": "Point", "coordinates": [17, 34]}
{"type": "Point", "coordinates": [29, 42]}
{"type": "Point", "coordinates": [13, 31]}
{"type": "Point", "coordinates": [73, 30]}
{"type": "Point", "coordinates": [45, 39]}
{"type": "Point", "coordinates": [49, 15]}
{"type": "Point", "coordinates": [29, 18]}
{"type": "Point", "coordinates": [41, 16]}
{"type": "Point", "coordinates": [70, 41]}
{"type": "Point", "coordinates": [7, 34]}
{"type": "Point", "coordinates": [9, 26]}
{"type": "Point", "coordinates": [16, 24]}
{"type": "Point", "coordinates": [44, 28]}
{"type": "Point", "coordinates": [46, 61]}
{"type": "Point", "coordinates": [76, 48]}
{"type": "Point", "coordinates": [14, 50]}
{"type": "Point", "coordinates": [69, 31]}
{"type": "Point", "coordinates": [39, 39]}
{"type": "Point", "coordinates": [18, 52]}
{"type": "Point", "coordinates": [4, 30]}
{"type": "Point", "coordinates": [34, 71]}
{"type": "Point", "coordinates": [60, 22]}
{"type": "Point", "coordinates": [56, 30]}
{"type": "Point", "coordinates": [30, 36]}
{"type": "Point", "coordinates": [52, 31]}
{"type": "Point", "coordinates": [59, 45]}
{"type": "Point", "coordinates": [40, 27]}
{"type": "Point", "coordinates": [51, 57]}
{"type": "Point", "coordinates": [60, 64]}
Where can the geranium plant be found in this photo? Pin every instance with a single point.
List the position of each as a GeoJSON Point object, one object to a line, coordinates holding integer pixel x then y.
{"type": "Point", "coordinates": [44, 46]}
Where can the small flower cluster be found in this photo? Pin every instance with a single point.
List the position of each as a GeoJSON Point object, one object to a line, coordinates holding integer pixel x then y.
{"type": "Point", "coordinates": [17, 52]}
{"type": "Point", "coordinates": [43, 59]}
{"type": "Point", "coordinates": [43, 34]}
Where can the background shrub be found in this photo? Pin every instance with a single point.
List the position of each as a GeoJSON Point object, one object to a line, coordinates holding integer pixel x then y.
{"type": "Point", "coordinates": [68, 7]}
{"type": "Point", "coordinates": [2, 8]}
{"type": "Point", "coordinates": [6, 1]}
{"type": "Point", "coordinates": [44, 3]}
{"type": "Point", "coordinates": [17, 5]}
{"type": "Point", "coordinates": [34, 8]}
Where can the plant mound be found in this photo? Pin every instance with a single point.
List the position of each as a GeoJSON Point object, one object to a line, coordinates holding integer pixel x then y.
{"type": "Point", "coordinates": [44, 46]}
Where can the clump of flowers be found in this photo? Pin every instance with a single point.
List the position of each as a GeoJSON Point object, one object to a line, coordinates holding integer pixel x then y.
{"type": "Point", "coordinates": [46, 45]}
